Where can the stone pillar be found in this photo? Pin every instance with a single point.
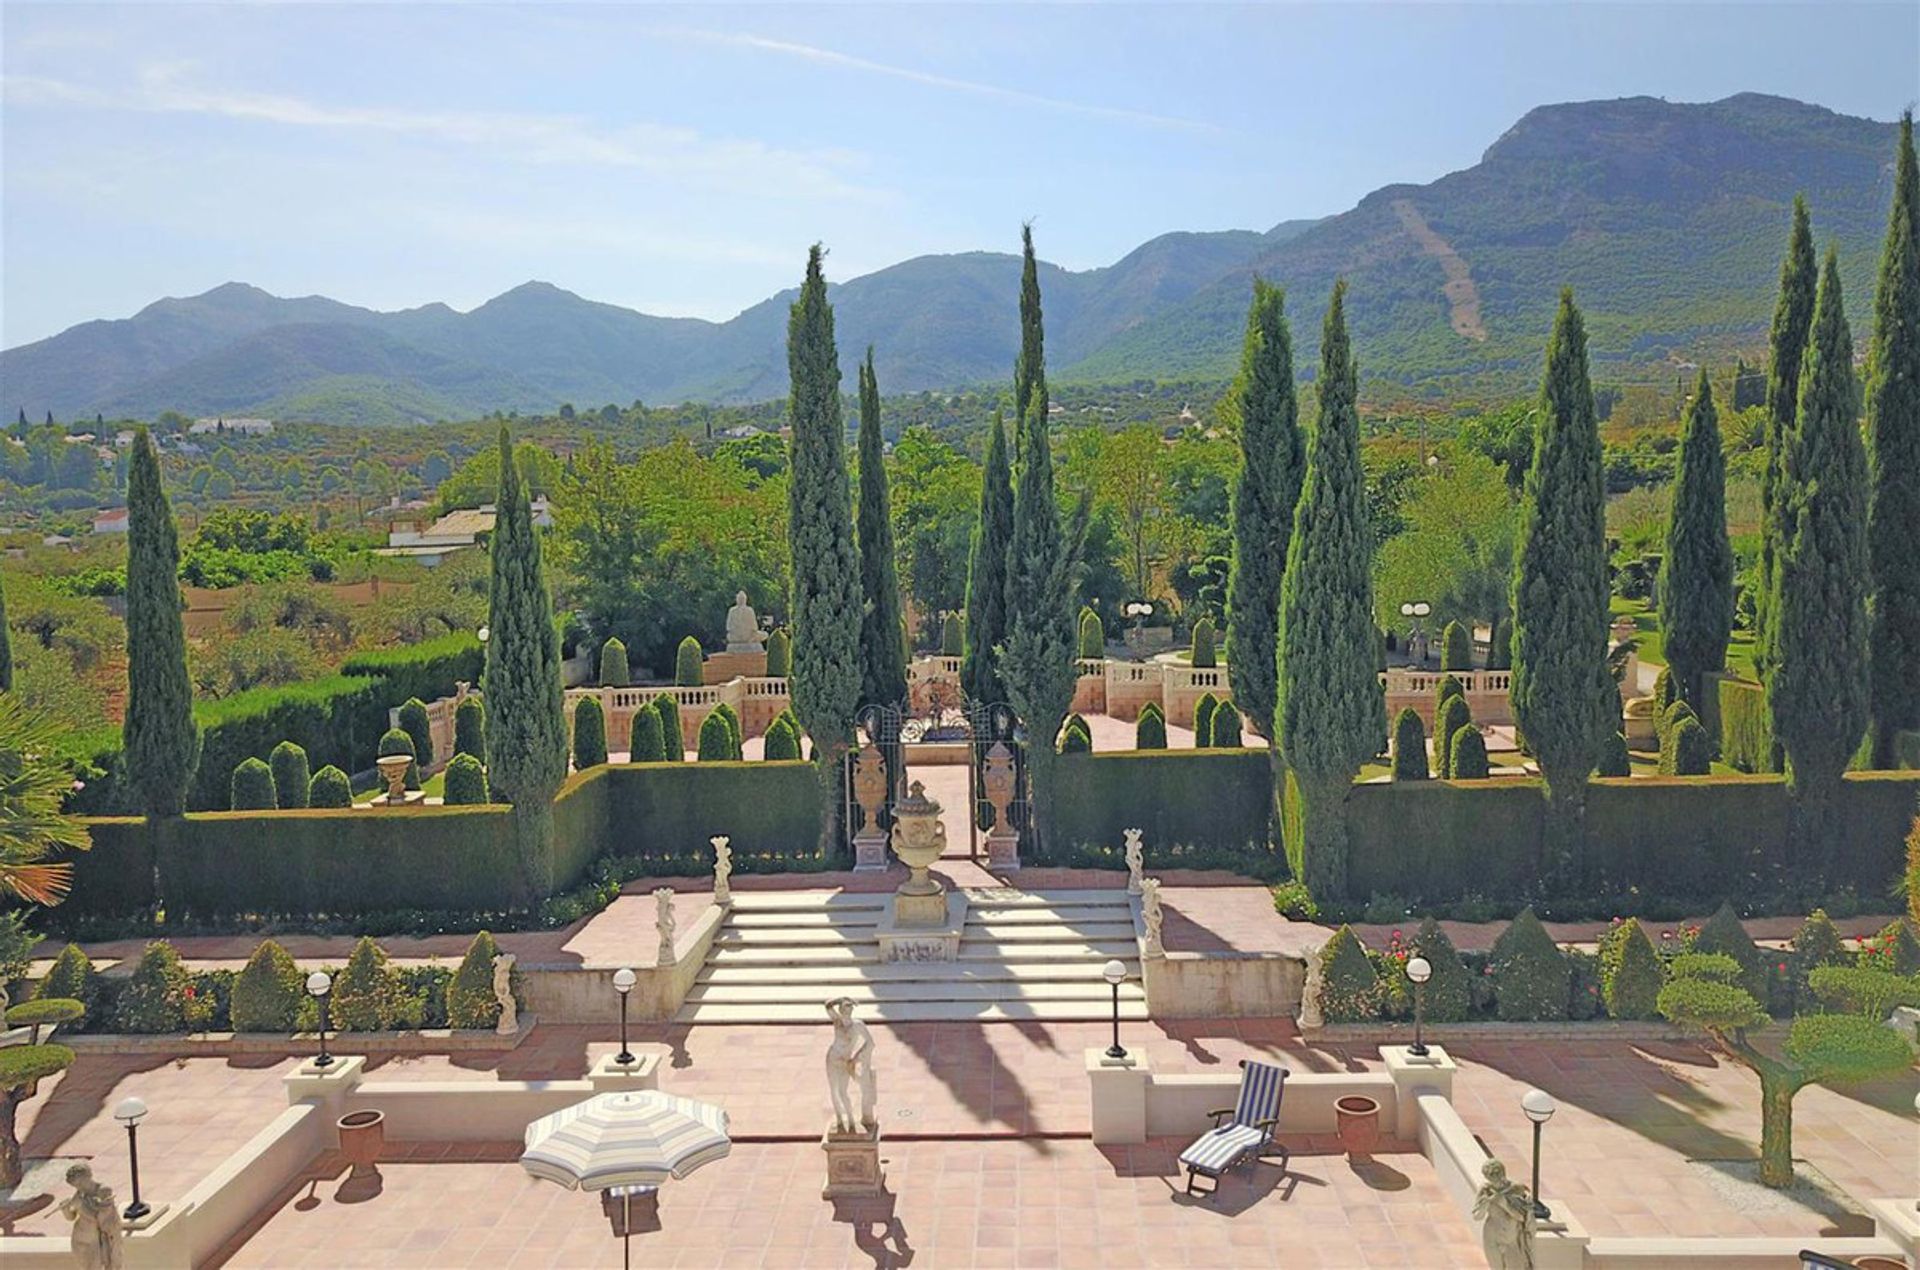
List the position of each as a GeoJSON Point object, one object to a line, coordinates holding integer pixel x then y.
{"type": "Point", "coordinates": [870, 795]}
{"type": "Point", "coordinates": [1415, 1074]}
{"type": "Point", "coordinates": [1003, 840]}
{"type": "Point", "coordinates": [1117, 1089]}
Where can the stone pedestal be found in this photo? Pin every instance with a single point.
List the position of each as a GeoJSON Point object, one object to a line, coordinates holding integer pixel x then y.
{"type": "Point", "coordinates": [870, 851]}
{"type": "Point", "coordinates": [922, 927]}
{"type": "Point", "coordinates": [609, 1077]}
{"type": "Point", "coordinates": [1412, 1075]}
{"type": "Point", "coordinates": [1117, 1094]}
{"type": "Point", "coordinates": [920, 910]}
{"type": "Point", "coordinates": [1003, 851]}
{"type": "Point", "coordinates": [853, 1164]}
{"type": "Point", "coordinates": [336, 1080]}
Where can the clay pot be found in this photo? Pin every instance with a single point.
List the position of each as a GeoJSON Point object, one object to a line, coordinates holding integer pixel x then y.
{"type": "Point", "coordinates": [363, 1134]}
{"type": "Point", "coordinates": [1359, 1120]}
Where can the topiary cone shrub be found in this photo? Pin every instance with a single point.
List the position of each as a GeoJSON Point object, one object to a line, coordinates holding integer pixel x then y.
{"type": "Point", "coordinates": [1723, 933]}
{"type": "Point", "coordinates": [1409, 746]}
{"type": "Point", "coordinates": [253, 787]}
{"type": "Point", "coordinates": [291, 775]}
{"type": "Point", "coordinates": [1203, 712]}
{"type": "Point", "coordinates": [413, 718]}
{"type": "Point", "coordinates": [1451, 716]}
{"type": "Point", "coordinates": [1150, 729]}
{"type": "Point", "coordinates": [1204, 656]}
{"type": "Point", "coordinates": [466, 782]}
{"type": "Point", "coordinates": [1075, 736]}
{"type": "Point", "coordinates": [735, 727]}
{"type": "Point", "coordinates": [1614, 759]}
{"type": "Point", "coordinates": [470, 727]}
{"type": "Point", "coordinates": [1226, 727]}
{"type": "Point", "coordinates": [672, 742]}
{"type": "Point", "coordinates": [1093, 635]}
{"type": "Point", "coordinates": [781, 743]}
{"type": "Point", "coordinates": [1687, 750]}
{"type": "Point", "coordinates": [470, 999]}
{"type": "Point", "coordinates": [1449, 992]}
{"type": "Point", "coordinates": [268, 992]}
{"type": "Point", "coordinates": [400, 741]}
{"type": "Point", "coordinates": [779, 653]}
{"type": "Point", "coordinates": [716, 739]}
{"type": "Point", "coordinates": [589, 734]}
{"type": "Point", "coordinates": [686, 663]}
{"type": "Point", "coordinates": [22, 1068]}
{"type": "Point", "coordinates": [366, 995]}
{"type": "Point", "coordinates": [71, 979]}
{"type": "Point", "coordinates": [643, 741]}
{"type": "Point", "coordinates": [1349, 987]}
{"type": "Point", "coordinates": [1448, 686]}
{"type": "Point", "coordinates": [613, 664]}
{"type": "Point", "coordinates": [1895, 948]}
{"type": "Point", "coordinates": [1468, 761]}
{"type": "Point", "coordinates": [1631, 982]}
{"type": "Point", "coordinates": [159, 997]}
{"type": "Point", "coordinates": [1530, 975]}
{"type": "Point", "coordinates": [330, 788]}
{"type": "Point", "coordinates": [1456, 647]}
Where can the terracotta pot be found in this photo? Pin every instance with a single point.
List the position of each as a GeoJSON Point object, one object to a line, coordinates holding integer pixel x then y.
{"type": "Point", "coordinates": [1359, 1120]}
{"type": "Point", "coordinates": [362, 1136]}
{"type": "Point", "coordinates": [1878, 1263]}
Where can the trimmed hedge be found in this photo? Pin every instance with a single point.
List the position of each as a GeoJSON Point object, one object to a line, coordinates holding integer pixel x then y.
{"type": "Point", "coordinates": [589, 734]}
{"type": "Point", "coordinates": [781, 744]}
{"type": "Point", "coordinates": [412, 716]}
{"type": "Point", "coordinates": [1150, 729]}
{"type": "Point", "coordinates": [70, 979]}
{"type": "Point", "coordinates": [779, 653]}
{"type": "Point", "coordinates": [330, 788]}
{"type": "Point", "coordinates": [613, 665]}
{"type": "Point", "coordinates": [1093, 635]}
{"type": "Point", "coordinates": [1451, 715]}
{"type": "Point", "coordinates": [1468, 759]}
{"type": "Point", "coordinates": [686, 663]}
{"type": "Point", "coordinates": [1204, 656]}
{"type": "Point", "coordinates": [673, 747]}
{"type": "Point", "coordinates": [470, 999]}
{"type": "Point", "coordinates": [470, 727]}
{"type": "Point", "coordinates": [664, 813]}
{"type": "Point", "coordinates": [1226, 727]}
{"type": "Point", "coordinates": [1456, 647]}
{"type": "Point", "coordinates": [292, 776]}
{"type": "Point", "coordinates": [253, 787]}
{"type": "Point", "coordinates": [1198, 808]}
{"type": "Point", "coordinates": [1746, 726]}
{"type": "Point", "coordinates": [1531, 977]}
{"type": "Point", "coordinates": [428, 670]}
{"type": "Point", "coordinates": [400, 741]}
{"type": "Point", "coordinates": [1686, 750]}
{"type": "Point", "coordinates": [1203, 712]}
{"type": "Point", "coordinates": [1349, 986]}
{"type": "Point", "coordinates": [716, 739]}
{"type": "Point", "coordinates": [735, 727]}
{"type": "Point", "coordinates": [268, 993]}
{"type": "Point", "coordinates": [1448, 686]}
{"type": "Point", "coordinates": [1449, 991]}
{"type": "Point", "coordinates": [1614, 758]}
{"type": "Point", "coordinates": [1075, 736]}
{"type": "Point", "coordinates": [466, 782]}
{"type": "Point", "coordinates": [1409, 746]}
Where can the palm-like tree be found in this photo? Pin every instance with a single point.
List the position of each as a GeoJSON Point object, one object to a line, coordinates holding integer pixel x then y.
{"type": "Point", "coordinates": [32, 826]}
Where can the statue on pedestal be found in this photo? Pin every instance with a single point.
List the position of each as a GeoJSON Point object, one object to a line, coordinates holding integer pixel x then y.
{"type": "Point", "coordinates": [663, 921]}
{"type": "Point", "coordinates": [97, 1228]}
{"type": "Point", "coordinates": [1136, 860]}
{"type": "Point", "coordinates": [503, 993]}
{"type": "Point", "coordinates": [850, 1060]}
{"type": "Point", "coordinates": [1507, 1210]}
{"type": "Point", "coordinates": [722, 868]}
{"type": "Point", "coordinates": [1310, 1015]}
{"type": "Point", "coordinates": [743, 626]}
{"type": "Point", "coordinates": [1151, 915]}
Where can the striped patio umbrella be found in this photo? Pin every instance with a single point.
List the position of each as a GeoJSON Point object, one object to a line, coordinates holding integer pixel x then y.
{"type": "Point", "coordinates": [640, 1138]}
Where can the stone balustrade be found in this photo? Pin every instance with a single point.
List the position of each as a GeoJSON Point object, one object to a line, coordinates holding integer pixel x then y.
{"type": "Point", "coordinates": [756, 700]}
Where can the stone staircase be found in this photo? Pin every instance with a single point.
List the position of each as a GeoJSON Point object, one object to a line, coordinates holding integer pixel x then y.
{"type": "Point", "coordinates": [1023, 956]}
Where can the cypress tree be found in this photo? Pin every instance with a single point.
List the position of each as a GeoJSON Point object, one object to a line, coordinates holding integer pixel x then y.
{"type": "Point", "coordinates": [883, 659]}
{"type": "Point", "coordinates": [673, 743]}
{"type": "Point", "coordinates": [1272, 460]}
{"type": "Point", "coordinates": [985, 628]}
{"type": "Point", "coordinates": [1696, 572]}
{"type": "Point", "coordinates": [1030, 367]}
{"type": "Point", "coordinates": [1893, 454]}
{"type": "Point", "coordinates": [1817, 683]}
{"type": "Point", "coordinates": [527, 727]}
{"type": "Point", "coordinates": [589, 734]}
{"type": "Point", "coordinates": [160, 744]}
{"type": "Point", "coordinates": [643, 737]}
{"type": "Point", "coordinates": [1792, 316]}
{"type": "Point", "coordinates": [1331, 716]}
{"type": "Point", "coordinates": [1409, 746]}
{"type": "Point", "coordinates": [613, 664]}
{"type": "Point", "coordinates": [1560, 678]}
{"type": "Point", "coordinates": [825, 682]}
{"type": "Point", "coordinates": [6, 644]}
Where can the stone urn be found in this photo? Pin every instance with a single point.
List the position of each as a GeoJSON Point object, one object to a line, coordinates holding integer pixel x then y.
{"type": "Point", "coordinates": [1358, 1117]}
{"type": "Point", "coordinates": [918, 839]}
{"type": "Point", "coordinates": [363, 1134]}
{"type": "Point", "coordinates": [393, 770]}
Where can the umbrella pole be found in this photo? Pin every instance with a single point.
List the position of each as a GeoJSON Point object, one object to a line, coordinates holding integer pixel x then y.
{"type": "Point", "coordinates": [626, 1233]}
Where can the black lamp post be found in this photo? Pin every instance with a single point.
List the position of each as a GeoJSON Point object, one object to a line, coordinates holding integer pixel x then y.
{"type": "Point", "coordinates": [130, 1113]}
{"type": "Point", "coordinates": [1115, 973]}
{"type": "Point", "coordinates": [623, 984]}
{"type": "Point", "coordinates": [1419, 970]}
{"type": "Point", "coordinates": [319, 984]}
{"type": "Point", "coordinates": [1539, 1106]}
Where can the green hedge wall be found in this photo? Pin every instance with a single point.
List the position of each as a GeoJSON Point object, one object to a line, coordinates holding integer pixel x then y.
{"type": "Point", "coordinates": [664, 813]}
{"type": "Point", "coordinates": [579, 825]}
{"type": "Point", "coordinates": [1198, 808]}
{"type": "Point", "coordinates": [1437, 838]}
{"type": "Point", "coordinates": [1742, 725]}
{"type": "Point", "coordinates": [116, 877]}
{"type": "Point", "coordinates": [427, 670]}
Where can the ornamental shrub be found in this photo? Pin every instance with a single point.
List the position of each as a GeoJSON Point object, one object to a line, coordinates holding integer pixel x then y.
{"type": "Point", "coordinates": [1531, 978]}
{"type": "Point", "coordinates": [716, 739]}
{"type": "Point", "coordinates": [470, 999]}
{"type": "Point", "coordinates": [1452, 715]}
{"type": "Point", "coordinates": [44, 1012]}
{"type": "Point", "coordinates": [1468, 760]}
{"type": "Point", "coordinates": [1723, 933]}
{"type": "Point", "coordinates": [781, 743]}
{"type": "Point", "coordinates": [470, 727]}
{"type": "Point", "coordinates": [1226, 727]}
{"type": "Point", "coordinates": [1855, 989]}
{"type": "Point", "coordinates": [734, 726]}
{"type": "Point", "coordinates": [1632, 982]}
{"type": "Point", "coordinates": [1614, 759]}
{"type": "Point", "coordinates": [413, 717]}
{"type": "Point", "coordinates": [1456, 647]}
{"type": "Point", "coordinates": [1409, 746]}
{"type": "Point", "coordinates": [330, 788]}
{"type": "Point", "coordinates": [466, 782]}
{"type": "Point", "coordinates": [400, 741]}
{"type": "Point", "coordinates": [643, 742]}
{"type": "Point", "coordinates": [686, 663]}
{"type": "Point", "coordinates": [1093, 635]}
{"type": "Point", "coordinates": [366, 995]}
{"type": "Point", "coordinates": [673, 747]}
{"type": "Point", "coordinates": [268, 992]}
{"type": "Point", "coordinates": [1818, 942]}
{"type": "Point", "coordinates": [160, 996]}
{"type": "Point", "coordinates": [1203, 654]}
{"type": "Point", "coordinates": [1665, 692]}
{"type": "Point", "coordinates": [1349, 987]}
{"type": "Point", "coordinates": [1203, 712]}
{"type": "Point", "coordinates": [779, 654]}
{"type": "Point", "coordinates": [71, 978]}
{"type": "Point", "coordinates": [1898, 950]}
{"type": "Point", "coordinates": [1075, 736]}
{"type": "Point", "coordinates": [1150, 729]}
{"type": "Point", "coordinates": [291, 775]}
{"type": "Point", "coordinates": [1449, 991]}
{"type": "Point", "coordinates": [614, 672]}
{"type": "Point", "coordinates": [589, 734]}
{"type": "Point", "coordinates": [1449, 686]}
{"type": "Point", "coordinates": [253, 787]}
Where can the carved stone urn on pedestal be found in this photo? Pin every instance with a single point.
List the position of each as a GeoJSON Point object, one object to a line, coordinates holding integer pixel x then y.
{"type": "Point", "coordinates": [393, 770]}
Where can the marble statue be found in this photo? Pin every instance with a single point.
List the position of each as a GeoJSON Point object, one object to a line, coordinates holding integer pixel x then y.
{"type": "Point", "coordinates": [97, 1228]}
{"type": "Point", "coordinates": [722, 868]}
{"type": "Point", "coordinates": [850, 1059]}
{"type": "Point", "coordinates": [503, 993]}
{"type": "Point", "coordinates": [664, 923]}
{"type": "Point", "coordinates": [1150, 914]}
{"type": "Point", "coordinates": [1136, 860]}
{"type": "Point", "coordinates": [1507, 1210]}
{"type": "Point", "coordinates": [1310, 1015]}
{"type": "Point", "coordinates": [743, 626]}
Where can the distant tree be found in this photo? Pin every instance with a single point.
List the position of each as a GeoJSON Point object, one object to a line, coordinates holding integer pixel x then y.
{"type": "Point", "coordinates": [1749, 386]}
{"type": "Point", "coordinates": [985, 623]}
{"type": "Point", "coordinates": [1792, 322]}
{"type": "Point", "coordinates": [1030, 367]}
{"type": "Point", "coordinates": [1893, 431]}
{"type": "Point", "coordinates": [883, 661]}
{"type": "Point", "coordinates": [1696, 570]}
{"type": "Point", "coordinates": [160, 744]}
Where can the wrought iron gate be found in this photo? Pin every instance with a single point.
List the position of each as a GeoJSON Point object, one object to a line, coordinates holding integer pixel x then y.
{"type": "Point", "coordinates": [892, 728]}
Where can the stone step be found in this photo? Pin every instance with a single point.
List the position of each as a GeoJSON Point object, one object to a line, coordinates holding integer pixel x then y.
{"type": "Point", "coordinates": [951, 989]}
{"type": "Point", "coordinates": [978, 897]}
{"type": "Point", "coordinates": [868, 952]}
{"type": "Point", "coordinates": [806, 901]}
{"type": "Point", "coordinates": [1046, 932]}
{"type": "Point", "coordinates": [1014, 975]}
{"type": "Point", "coordinates": [864, 920]}
{"type": "Point", "coordinates": [917, 1012]}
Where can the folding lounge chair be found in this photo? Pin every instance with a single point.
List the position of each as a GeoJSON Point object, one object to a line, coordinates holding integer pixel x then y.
{"type": "Point", "coordinates": [1241, 1132]}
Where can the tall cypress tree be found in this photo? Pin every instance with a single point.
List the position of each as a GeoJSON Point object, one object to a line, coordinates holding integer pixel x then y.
{"type": "Point", "coordinates": [1030, 367]}
{"type": "Point", "coordinates": [883, 658]}
{"type": "Point", "coordinates": [6, 644]}
{"type": "Point", "coordinates": [526, 708]}
{"type": "Point", "coordinates": [1696, 572]}
{"type": "Point", "coordinates": [1893, 454]}
{"type": "Point", "coordinates": [825, 680]}
{"type": "Point", "coordinates": [1792, 316]}
{"type": "Point", "coordinates": [1817, 684]}
{"type": "Point", "coordinates": [1564, 698]}
{"type": "Point", "coordinates": [1271, 468]}
{"type": "Point", "coordinates": [1331, 715]}
{"type": "Point", "coordinates": [160, 744]}
{"type": "Point", "coordinates": [987, 574]}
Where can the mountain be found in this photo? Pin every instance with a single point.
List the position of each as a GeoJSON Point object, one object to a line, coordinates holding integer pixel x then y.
{"type": "Point", "coordinates": [1668, 220]}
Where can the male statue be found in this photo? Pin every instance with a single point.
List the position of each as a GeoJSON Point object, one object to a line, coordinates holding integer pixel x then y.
{"type": "Point", "coordinates": [1507, 1210]}
{"type": "Point", "coordinates": [850, 1059]}
{"type": "Point", "coordinates": [722, 869]}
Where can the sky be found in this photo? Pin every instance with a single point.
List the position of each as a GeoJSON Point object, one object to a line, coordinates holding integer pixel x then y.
{"type": "Point", "coordinates": [680, 159]}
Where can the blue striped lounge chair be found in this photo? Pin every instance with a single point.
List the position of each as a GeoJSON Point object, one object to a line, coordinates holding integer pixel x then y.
{"type": "Point", "coordinates": [1241, 1132]}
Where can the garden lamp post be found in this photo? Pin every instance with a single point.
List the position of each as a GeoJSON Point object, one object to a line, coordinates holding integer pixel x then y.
{"type": "Point", "coordinates": [623, 984]}
{"type": "Point", "coordinates": [1419, 970]}
{"type": "Point", "coordinates": [1139, 610]}
{"type": "Point", "coordinates": [484, 634]}
{"type": "Point", "coordinates": [1539, 1106]}
{"type": "Point", "coordinates": [1115, 973]}
{"type": "Point", "coordinates": [130, 1113]}
{"type": "Point", "coordinates": [319, 984]}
